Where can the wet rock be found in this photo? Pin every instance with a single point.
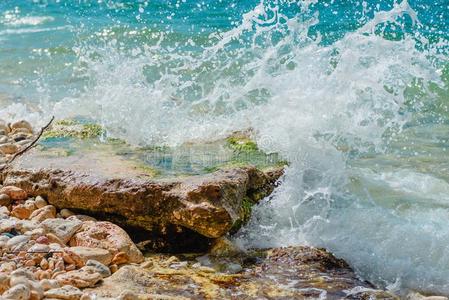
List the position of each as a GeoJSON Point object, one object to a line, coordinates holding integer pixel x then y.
{"type": "Point", "coordinates": [99, 267]}
{"type": "Point", "coordinates": [82, 278]}
{"type": "Point", "coordinates": [62, 228]}
{"type": "Point", "coordinates": [223, 247]}
{"type": "Point", "coordinates": [106, 235]}
{"type": "Point", "coordinates": [285, 273]}
{"type": "Point", "coordinates": [14, 192]}
{"type": "Point", "coordinates": [66, 292]}
{"type": "Point", "coordinates": [418, 296]}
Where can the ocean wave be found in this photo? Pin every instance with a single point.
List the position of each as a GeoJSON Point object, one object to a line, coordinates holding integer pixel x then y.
{"type": "Point", "coordinates": [33, 30]}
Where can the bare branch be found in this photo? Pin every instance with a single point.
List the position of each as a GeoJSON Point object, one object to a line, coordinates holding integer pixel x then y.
{"type": "Point", "coordinates": [31, 145]}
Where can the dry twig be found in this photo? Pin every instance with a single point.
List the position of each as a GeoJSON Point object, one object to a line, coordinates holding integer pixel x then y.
{"type": "Point", "coordinates": [31, 145]}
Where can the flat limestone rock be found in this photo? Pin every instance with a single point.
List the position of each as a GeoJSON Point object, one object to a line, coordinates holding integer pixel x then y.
{"type": "Point", "coordinates": [108, 187]}
{"type": "Point", "coordinates": [282, 273]}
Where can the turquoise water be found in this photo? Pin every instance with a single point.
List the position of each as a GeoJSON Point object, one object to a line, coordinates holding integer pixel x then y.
{"type": "Point", "coordinates": [354, 94]}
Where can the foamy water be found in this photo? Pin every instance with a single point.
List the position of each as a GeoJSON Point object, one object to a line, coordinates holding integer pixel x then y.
{"type": "Point", "coordinates": [361, 115]}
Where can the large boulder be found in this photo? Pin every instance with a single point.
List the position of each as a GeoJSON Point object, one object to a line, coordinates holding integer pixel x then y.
{"type": "Point", "coordinates": [210, 204]}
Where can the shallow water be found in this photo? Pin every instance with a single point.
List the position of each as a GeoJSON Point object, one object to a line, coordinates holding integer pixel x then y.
{"type": "Point", "coordinates": [354, 94]}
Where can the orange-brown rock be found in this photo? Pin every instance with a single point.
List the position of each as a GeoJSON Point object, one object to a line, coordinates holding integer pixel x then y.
{"type": "Point", "coordinates": [108, 236]}
{"type": "Point", "coordinates": [82, 278]}
{"type": "Point", "coordinates": [210, 205]}
{"type": "Point", "coordinates": [14, 192]}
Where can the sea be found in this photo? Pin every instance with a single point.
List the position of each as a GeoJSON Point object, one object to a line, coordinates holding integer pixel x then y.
{"type": "Point", "coordinates": [353, 94]}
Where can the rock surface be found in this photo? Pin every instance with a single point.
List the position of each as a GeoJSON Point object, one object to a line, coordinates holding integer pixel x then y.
{"type": "Point", "coordinates": [210, 204]}
{"type": "Point", "coordinates": [106, 235]}
{"type": "Point", "coordinates": [286, 273]}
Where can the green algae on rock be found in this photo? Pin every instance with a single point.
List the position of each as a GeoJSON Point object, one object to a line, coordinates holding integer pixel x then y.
{"type": "Point", "coordinates": [74, 129]}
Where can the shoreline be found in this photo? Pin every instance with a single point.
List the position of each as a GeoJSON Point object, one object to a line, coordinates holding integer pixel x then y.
{"type": "Point", "coordinates": [50, 250]}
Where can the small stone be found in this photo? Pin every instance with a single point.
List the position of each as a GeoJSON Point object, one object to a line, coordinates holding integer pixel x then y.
{"type": "Point", "coordinates": [22, 124]}
{"type": "Point", "coordinates": [87, 296]}
{"type": "Point", "coordinates": [4, 211]}
{"type": "Point", "coordinates": [44, 264]}
{"type": "Point", "coordinates": [83, 218]}
{"type": "Point", "coordinates": [29, 263]}
{"type": "Point", "coordinates": [65, 213]}
{"type": "Point", "coordinates": [4, 283]}
{"type": "Point", "coordinates": [45, 275]}
{"type": "Point", "coordinates": [7, 267]}
{"type": "Point", "coordinates": [30, 205]}
{"type": "Point", "coordinates": [5, 200]}
{"type": "Point", "coordinates": [37, 292]}
{"type": "Point", "coordinates": [4, 127]}
{"type": "Point", "coordinates": [40, 202]}
{"type": "Point", "coordinates": [62, 228]}
{"type": "Point", "coordinates": [22, 273]}
{"type": "Point", "coordinates": [9, 148]}
{"type": "Point", "coordinates": [48, 284]}
{"type": "Point", "coordinates": [128, 295]}
{"type": "Point", "coordinates": [82, 278]}
{"type": "Point", "coordinates": [41, 214]}
{"type": "Point", "coordinates": [39, 248]}
{"type": "Point", "coordinates": [109, 236]}
{"type": "Point", "coordinates": [223, 247]}
{"type": "Point", "coordinates": [148, 264]}
{"type": "Point", "coordinates": [86, 253]}
{"type": "Point", "coordinates": [14, 193]}
{"type": "Point", "coordinates": [15, 241]}
{"type": "Point", "coordinates": [113, 268]}
{"type": "Point", "coordinates": [35, 233]}
{"type": "Point", "coordinates": [17, 292]}
{"type": "Point", "coordinates": [54, 239]}
{"type": "Point", "coordinates": [66, 292]}
{"type": "Point", "coordinates": [21, 212]}
{"type": "Point", "coordinates": [99, 267]}
{"type": "Point", "coordinates": [120, 258]}
{"type": "Point", "coordinates": [43, 240]}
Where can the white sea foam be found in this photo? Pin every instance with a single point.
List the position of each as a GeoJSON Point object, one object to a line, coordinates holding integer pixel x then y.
{"type": "Point", "coordinates": [13, 18]}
